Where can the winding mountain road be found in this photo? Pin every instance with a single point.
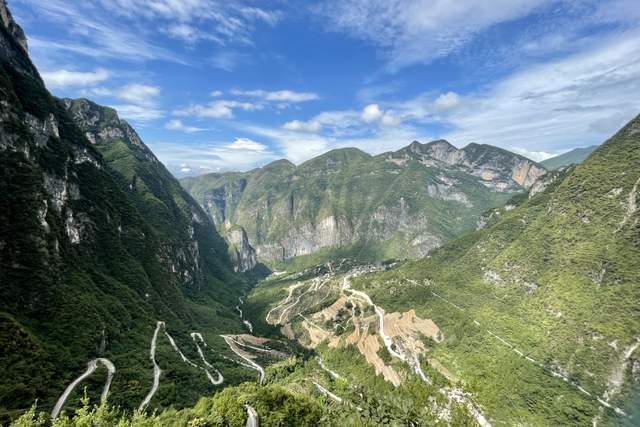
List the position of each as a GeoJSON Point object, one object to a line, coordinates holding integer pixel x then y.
{"type": "Point", "coordinates": [156, 369]}
{"type": "Point", "coordinates": [195, 336]}
{"type": "Point", "coordinates": [91, 367]}
{"type": "Point", "coordinates": [233, 345]}
{"type": "Point", "coordinates": [283, 303]}
{"type": "Point", "coordinates": [157, 372]}
{"type": "Point", "coordinates": [327, 393]}
{"type": "Point", "coordinates": [412, 360]}
{"type": "Point", "coordinates": [333, 374]}
{"type": "Point", "coordinates": [252, 416]}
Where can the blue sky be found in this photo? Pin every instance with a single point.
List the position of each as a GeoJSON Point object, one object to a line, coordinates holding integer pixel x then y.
{"type": "Point", "coordinates": [230, 85]}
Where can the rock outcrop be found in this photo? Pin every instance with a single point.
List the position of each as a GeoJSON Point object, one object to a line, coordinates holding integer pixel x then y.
{"type": "Point", "coordinates": [243, 255]}
{"type": "Point", "coordinates": [10, 25]}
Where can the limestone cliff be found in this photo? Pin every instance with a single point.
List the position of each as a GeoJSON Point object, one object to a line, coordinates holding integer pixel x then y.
{"type": "Point", "coordinates": [242, 254]}
{"type": "Point", "coordinates": [12, 27]}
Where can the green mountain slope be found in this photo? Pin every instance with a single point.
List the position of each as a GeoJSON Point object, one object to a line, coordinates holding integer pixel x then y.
{"type": "Point", "coordinates": [97, 243]}
{"type": "Point", "coordinates": [544, 300]}
{"type": "Point", "coordinates": [573, 157]}
{"type": "Point", "coordinates": [346, 202]}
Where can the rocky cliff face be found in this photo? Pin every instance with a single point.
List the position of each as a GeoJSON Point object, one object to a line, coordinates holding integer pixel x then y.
{"type": "Point", "coordinates": [102, 125]}
{"type": "Point", "coordinates": [243, 255]}
{"type": "Point", "coordinates": [10, 25]}
{"type": "Point", "coordinates": [400, 204]}
{"type": "Point", "coordinates": [147, 180]}
{"type": "Point", "coordinates": [497, 168]}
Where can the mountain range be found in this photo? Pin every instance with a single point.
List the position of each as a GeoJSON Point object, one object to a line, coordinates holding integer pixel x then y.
{"type": "Point", "coordinates": [348, 203]}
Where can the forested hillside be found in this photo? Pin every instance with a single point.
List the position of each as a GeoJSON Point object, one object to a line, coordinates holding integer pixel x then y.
{"type": "Point", "coordinates": [539, 310]}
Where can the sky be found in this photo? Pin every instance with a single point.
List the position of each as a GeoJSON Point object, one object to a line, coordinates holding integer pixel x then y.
{"type": "Point", "coordinates": [215, 85]}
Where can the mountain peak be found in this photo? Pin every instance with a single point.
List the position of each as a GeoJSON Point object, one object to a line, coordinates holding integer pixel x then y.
{"type": "Point", "coordinates": [346, 153]}
{"type": "Point", "coordinates": [101, 124]}
{"type": "Point", "coordinates": [575, 156]}
{"type": "Point", "coordinates": [89, 110]}
{"type": "Point", "coordinates": [475, 151]}
{"type": "Point", "coordinates": [419, 148]}
{"type": "Point", "coordinates": [335, 158]}
{"type": "Point", "coordinates": [440, 142]}
{"type": "Point", "coordinates": [281, 167]}
{"type": "Point", "coordinates": [439, 150]}
{"type": "Point", "coordinates": [13, 45]}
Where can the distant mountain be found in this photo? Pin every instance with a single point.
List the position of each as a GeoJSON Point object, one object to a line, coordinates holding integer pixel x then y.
{"type": "Point", "coordinates": [98, 242]}
{"type": "Point", "coordinates": [573, 157]}
{"type": "Point", "coordinates": [347, 203]}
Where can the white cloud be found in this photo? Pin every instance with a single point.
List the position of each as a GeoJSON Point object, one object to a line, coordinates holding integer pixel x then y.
{"type": "Point", "coordinates": [246, 144]}
{"type": "Point", "coordinates": [195, 20]}
{"type": "Point", "coordinates": [299, 147]}
{"type": "Point", "coordinates": [176, 124]}
{"type": "Point", "coordinates": [190, 34]}
{"type": "Point", "coordinates": [371, 113]}
{"type": "Point", "coordinates": [311, 126]}
{"type": "Point", "coordinates": [61, 79]}
{"type": "Point", "coordinates": [223, 109]}
{"type": "Point", "coordinates": [98, 91]}
{"type": "Point", "coordinates": [278, 96]}
{"type": "Point", "coordinates": [241, 154]}
{"type": "Point", "coordinates": [227, 15]}
{"type": "Point", "coordinates": [536, 156]}
{"type": "Point", "coordinates": [131, 30]}
{"type": "Point", "coordinates": [215, 93]}
{"type": "Point", "coordinates": [295, 146]}
{"type": "Point", "coordinates": [269, 17]}
{"type": "Point", "coordinates": [84, 29]}
{"type": "Point", "coordinates": [447, 101]}
{"type": "Point", "coordinates": [335, 126]}
{"type": "Point", "coordinates": [418, 31]}
{"type": "Point", "coordinates": [390, 119]}
{"type": "Point", "coordinates": [139, 94]}
{"type": "Point", "coordinates": [140, 113]}
{"type": "Point", "coordinates": [140, 102]}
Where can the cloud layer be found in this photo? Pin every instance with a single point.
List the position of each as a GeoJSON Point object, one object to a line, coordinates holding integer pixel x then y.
{"type": "Point", "coordinates": [419, 31]}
